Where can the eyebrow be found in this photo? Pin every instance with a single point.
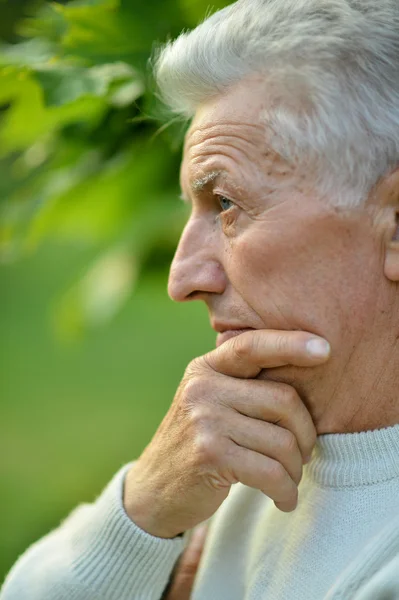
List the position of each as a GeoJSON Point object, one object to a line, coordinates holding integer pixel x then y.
{"type": "Point", "coordinates": [200, 183]}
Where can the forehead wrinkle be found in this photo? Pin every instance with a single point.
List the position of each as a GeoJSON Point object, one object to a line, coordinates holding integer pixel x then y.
{"type": "Point", "coordinates": [201, 132]}
{"type": "Point", "coordinates": [214, 142]}
{"type": "Point", "coordinates": [242, 143]}
{"type": "Point", "coordinates": [236, 141]}
{"type": "Point", "coordinates": [207, 128]}
{"type": "Point", "coordinates": [244, 151]}
{"type": "Point", "coordinates": [207, 151]}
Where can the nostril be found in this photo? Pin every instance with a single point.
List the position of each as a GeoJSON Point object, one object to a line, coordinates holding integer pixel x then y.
{"type": "Point", "coordinates": [193, 295]}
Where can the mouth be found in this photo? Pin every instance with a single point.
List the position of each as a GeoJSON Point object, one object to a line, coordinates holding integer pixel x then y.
{"type": "Point", "coordinates": [227, 334]}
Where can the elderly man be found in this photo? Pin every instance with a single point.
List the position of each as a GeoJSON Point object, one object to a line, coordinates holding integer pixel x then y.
{"type": "Point", "coordinates": [290, 169]}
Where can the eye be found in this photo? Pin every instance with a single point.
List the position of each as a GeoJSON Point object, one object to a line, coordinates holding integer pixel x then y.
{"type": "Point", "coordinates": [224, 203]}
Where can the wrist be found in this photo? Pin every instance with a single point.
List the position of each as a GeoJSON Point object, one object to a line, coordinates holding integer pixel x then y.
{"type": "Point", "coordinates": [142, 507]}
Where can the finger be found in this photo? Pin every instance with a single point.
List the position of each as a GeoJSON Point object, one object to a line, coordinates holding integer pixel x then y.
{"type": "Point", "coordinates": [194, 550]}
{"type": "Point", "coordinates": [277, 403]}
{"type": "Point", "coordinates": [270, 440]}
{"type": "Point", "coordinates": [187, 567]}
{"type": "Point", "coordinates": [264, 474]}
{"type": "Point", "coordinates": [245, 355]}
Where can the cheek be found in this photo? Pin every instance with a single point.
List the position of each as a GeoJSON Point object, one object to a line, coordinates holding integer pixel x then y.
{"type": "Point", "coordinates": [303, 277]}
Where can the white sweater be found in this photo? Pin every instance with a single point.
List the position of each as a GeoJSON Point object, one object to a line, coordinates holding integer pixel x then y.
{"type": "Point", "coordinates": [341, 542]}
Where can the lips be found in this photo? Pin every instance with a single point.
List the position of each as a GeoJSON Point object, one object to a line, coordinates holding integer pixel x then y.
{"type": "Point", "coordinates": [221, 338]}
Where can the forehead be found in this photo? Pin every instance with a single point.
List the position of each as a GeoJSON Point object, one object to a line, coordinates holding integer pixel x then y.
{"type": "Point", "coordinates": [228, 124]}
{"type": "Point", "coordinates": [229, 134]}
{"type": "Point", "coordinates": [241, 105]}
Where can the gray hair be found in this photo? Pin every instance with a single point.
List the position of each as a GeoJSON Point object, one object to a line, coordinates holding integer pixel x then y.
{"type": "Point", "coordinates": [332, 74]}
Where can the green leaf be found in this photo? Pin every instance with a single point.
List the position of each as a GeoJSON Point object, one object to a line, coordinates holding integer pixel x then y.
{"type": "Point", "coordinates": [28, 53]}
{"type": "Point", "coordinates": [63, 84]}
{"type": "Point", "coordinates": [27, 119]}
{"type": "Point", "coordinates": [85, 149]}
{"type": "Point", "coordinates": [99, 33]}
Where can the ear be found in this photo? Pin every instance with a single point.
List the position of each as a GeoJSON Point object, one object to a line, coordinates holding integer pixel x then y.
{"type": "Point", "coordinates": [390, 200]}
{"type": "Point", "coordinates": [391, 266]}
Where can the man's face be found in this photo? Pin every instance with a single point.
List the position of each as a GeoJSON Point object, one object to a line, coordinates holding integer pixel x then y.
{"type": "Point", "coordinates": [261, 248]}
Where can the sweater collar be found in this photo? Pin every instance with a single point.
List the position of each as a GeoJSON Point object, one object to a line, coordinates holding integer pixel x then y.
{"type": "Point", "coordinates": [355, 459]}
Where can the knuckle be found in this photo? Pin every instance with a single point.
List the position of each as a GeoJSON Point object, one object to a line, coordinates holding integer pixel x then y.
{"type": "Point", "coordinates": [197, 417]}
{"type": "Point", "coordinates": [196, 367]}
{"type": "Point", "coordinates": [241, 347]}
{"type": "Point", "coordinates": [276, 473]}
{"type": "Point", "coordinates": [289, 399]}
{"type": "Point", "coordinates": [195, 388]}
{"type": "Point", "coordinates": [288, 442]}
{"type": "Point", "coordinates": [221, 478]}
{"type": "Point", "coordinates": [204, 363]}
{"type": "Point", "coordinates": [281, 344]}
{"type": "Point", "coordinates": [205, 449]}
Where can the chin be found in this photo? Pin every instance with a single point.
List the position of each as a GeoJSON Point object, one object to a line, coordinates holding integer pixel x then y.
{"type": "Point", "coordinates": [300, 378]}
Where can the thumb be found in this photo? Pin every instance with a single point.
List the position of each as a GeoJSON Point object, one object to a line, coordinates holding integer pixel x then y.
{"type": "Point", "coordinates": [186, 569]}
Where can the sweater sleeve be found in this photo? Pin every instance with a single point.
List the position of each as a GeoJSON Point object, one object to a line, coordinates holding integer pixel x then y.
{"type": "Point", "coordinates": [384, 585]}
{"type": "Point", "coordinates": [97, 553]}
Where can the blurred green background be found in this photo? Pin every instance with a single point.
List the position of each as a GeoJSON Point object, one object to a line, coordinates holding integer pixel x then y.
{"type": "Point", "coordinates": [91, 349]}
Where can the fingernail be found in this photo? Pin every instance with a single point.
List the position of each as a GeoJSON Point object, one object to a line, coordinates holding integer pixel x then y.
{"type": "Point", "coordinates": [318, 348]}
{"type": "Point", "coordinates": [307, 459]}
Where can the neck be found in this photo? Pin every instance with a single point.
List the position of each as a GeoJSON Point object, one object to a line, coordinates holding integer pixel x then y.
{"type": "Point", "coordinates": [365, 398]}
{"type": "Point", "coordinates": [363, 391]}
{"type": "Point", "coordinates": [356, 390]}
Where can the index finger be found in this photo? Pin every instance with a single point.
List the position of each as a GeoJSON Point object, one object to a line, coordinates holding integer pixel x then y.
{"type": "Point", "coordinates": [246, 354]}
{"type": "Point", "coordinates": [186, 569]}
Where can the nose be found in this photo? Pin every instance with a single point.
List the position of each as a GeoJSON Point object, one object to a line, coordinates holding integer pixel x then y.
{"type": "Point", "coordinates": [196, 269]}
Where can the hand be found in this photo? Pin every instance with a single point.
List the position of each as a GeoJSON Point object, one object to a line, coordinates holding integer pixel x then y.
{"type": "Point", "coordinates": [185, 571]}
{"type": "Point", "coordinates": [223, 427]}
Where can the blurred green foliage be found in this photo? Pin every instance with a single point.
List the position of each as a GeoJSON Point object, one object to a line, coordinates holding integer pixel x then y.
{"type": "Point", "coordinates": [87, 152]}
{"type": "Point", "coordinates": [89, 166]}
{"type": "Point", "coordinates": [72, 414]}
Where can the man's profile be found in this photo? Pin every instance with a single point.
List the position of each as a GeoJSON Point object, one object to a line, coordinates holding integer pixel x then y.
{"type": "Point", "coordinates": [285, 437]}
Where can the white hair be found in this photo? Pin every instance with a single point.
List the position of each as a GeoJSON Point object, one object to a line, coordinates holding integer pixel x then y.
{"type": "Point", "coordinates": [332, 74]}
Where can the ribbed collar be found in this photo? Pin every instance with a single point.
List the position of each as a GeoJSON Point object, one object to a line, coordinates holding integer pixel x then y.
{"type": "Point", "coordinates": [355, 459]}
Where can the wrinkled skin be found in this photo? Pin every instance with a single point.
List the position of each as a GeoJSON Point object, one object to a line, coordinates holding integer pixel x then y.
{"type": "Point", "coordinates": [264, 251]}
{"type": "Point", "coordinates": [280, 257]}
{"type": "Point", "coordinates": [273, 254]}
